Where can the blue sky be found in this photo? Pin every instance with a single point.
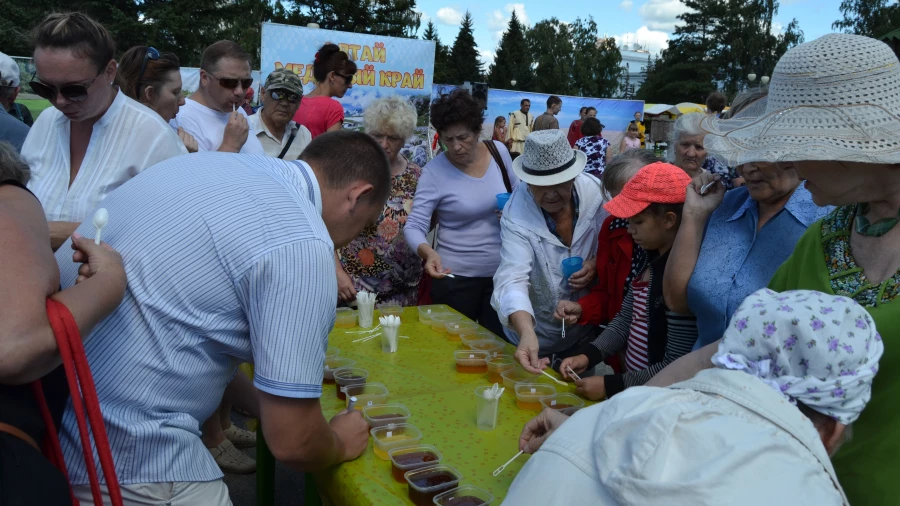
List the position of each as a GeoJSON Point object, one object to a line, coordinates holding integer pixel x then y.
{"type": "Point", "coordinates": [649, 22]}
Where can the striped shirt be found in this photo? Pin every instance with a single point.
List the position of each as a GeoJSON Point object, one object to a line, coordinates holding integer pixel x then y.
{"type": "Point", "coordinates": [636, 354]}
{"type": "Point", "coordinates": [228, 261]}
{"type": "Point", "coordinates": [127, 139]}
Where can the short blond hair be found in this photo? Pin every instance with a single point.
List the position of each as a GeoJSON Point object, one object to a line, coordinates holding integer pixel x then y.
{"type": "Point", "coordinates": [391, 115]}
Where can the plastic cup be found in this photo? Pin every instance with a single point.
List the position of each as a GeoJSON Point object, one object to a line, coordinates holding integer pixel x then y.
{"type": "Point", "coordinates": [466, 495]}
{"type": "Point", "coordinates": [345, 318]}
{"type": "Point", "coordinates": [497, 364]}
{"type": "Point", "coordinates": [389, 338]}
{"type": "Point", "coordinates": [395, 435]}
{"type": "Point", "coordinates": [565, 403]}
{"type": "Point", "coordinates": [366, 314]}
{"type": "Point", "coordinates": [379, 415]}
{"type": "Point", "coordinates": [348, 376]}
{"type": "Point", "coordinates": [390, 310]}
{"type": "Point", "coordinates": [571, 265]}
{"type": "Point", "coordinates": [528, 395]}
{"type": "Point", "coordinates": [471, 361]}
{"type": "Point", "coordinates": [426, 483]}
{"type": "Point", "coordinates": [439, 321]}
{"type": "Point", "coordinates": [486, 410]}
{"type": "Point", "coordinates": [332, 364]}
{"type": "Point", "coordinates": [502, 199]}
{"type": "Point", "coordinates": [409, 458]}
{"type": "Point", "coordinates": [331, 352]}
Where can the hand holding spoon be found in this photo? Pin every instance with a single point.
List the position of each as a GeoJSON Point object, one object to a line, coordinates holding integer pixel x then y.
{"type": "Point", "coordinates": [101, 218]}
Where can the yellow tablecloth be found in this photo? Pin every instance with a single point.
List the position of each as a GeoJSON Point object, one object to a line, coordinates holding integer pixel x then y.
{"type": "Point", "coordinates": [422, 376]}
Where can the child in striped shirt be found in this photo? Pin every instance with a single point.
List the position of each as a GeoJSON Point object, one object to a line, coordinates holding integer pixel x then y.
{"type": "Point", "coordinates": [650, 334]}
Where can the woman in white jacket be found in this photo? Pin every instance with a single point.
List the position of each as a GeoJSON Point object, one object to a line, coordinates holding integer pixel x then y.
{"type": "Point", "coordinates": [556, 215]}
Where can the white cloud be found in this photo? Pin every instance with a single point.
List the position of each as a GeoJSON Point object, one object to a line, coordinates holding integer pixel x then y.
{"type": "Point", "coordinates": [651, 40]}
{"type": "Point", "coordinates": [487, 57]}
{"type": "Point", "coordinates": [498, 21]}
{"type": "Point", "coordinates": [626, 5]}
{"type": "Point", "coordinates": [662, 15]}
{"type": "Point", "coordinates": [449, 16]}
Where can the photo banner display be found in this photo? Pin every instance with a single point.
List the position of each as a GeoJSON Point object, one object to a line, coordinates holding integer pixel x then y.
{"type": "Point", "coordinates": [614, 114]}
{"type": "Point", "coordinates": [386, 66]}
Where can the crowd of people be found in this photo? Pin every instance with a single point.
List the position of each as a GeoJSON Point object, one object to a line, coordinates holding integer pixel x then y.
{"type": "Point", "coordinates": [725, 304]}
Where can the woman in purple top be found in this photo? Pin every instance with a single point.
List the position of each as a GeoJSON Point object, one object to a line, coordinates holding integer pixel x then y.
{"type": "Point", "coordinates": [458, 189]}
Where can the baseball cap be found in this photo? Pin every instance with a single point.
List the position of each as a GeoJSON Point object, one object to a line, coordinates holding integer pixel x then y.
{"type": "Point", "coordinates": [657, 183]}
{"type": "Point", "coordinates": [284, 79]}
{"type": "Point", "coordinates": [9, 71]}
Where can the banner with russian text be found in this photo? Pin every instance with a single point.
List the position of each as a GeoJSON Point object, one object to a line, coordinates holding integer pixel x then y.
{"type": "Point", "coordinates": [387, 66]}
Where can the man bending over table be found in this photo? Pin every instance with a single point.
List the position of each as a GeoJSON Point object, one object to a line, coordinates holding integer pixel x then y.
{"type": "Point", "coordinates": [229, 259]}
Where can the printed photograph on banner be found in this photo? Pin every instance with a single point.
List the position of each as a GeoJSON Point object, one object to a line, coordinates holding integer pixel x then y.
{"type": "Point", "coordinates": [614, 114]}
{"type": "Point", "coordinates": [386, 66]}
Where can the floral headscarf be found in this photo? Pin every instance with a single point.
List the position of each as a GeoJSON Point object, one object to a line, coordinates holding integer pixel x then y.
{"type": "Point", "coordinates": [821, 350]}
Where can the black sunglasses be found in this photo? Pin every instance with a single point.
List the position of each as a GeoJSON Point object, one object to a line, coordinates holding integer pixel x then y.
{"type": "Point", "coordinates": [150, 54]}
{"type": "Point", "coordinates": [231, 83]}
{"type": "Point", "coordinates": [347, 79]}
{"type": "Point", "coordinates": [279, 95]}
{"type": "Point", "coordinates": [71, 92]}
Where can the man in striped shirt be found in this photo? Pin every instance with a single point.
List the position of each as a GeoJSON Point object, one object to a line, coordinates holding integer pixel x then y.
{"type": "Point", "coordinates": [229, 259]}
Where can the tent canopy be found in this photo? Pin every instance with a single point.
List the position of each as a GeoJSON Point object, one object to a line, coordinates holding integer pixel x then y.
{"type": "Point", "coordinates": [657, 109]}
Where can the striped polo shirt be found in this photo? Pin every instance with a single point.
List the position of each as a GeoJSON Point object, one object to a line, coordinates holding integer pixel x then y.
{"type": "Point", "coordinates": [228, 261]}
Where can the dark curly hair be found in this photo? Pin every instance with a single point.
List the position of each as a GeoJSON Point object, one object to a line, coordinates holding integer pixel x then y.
{"type": "Point", "coordinates": [459, 107]}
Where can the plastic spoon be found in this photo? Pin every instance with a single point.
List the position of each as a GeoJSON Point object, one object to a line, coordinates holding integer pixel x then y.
{"type": "Point", "coordinates": [572, 373]}
{"type": "Point", "coordinates": [705, 188]}
{"type": "Point", "coordinates": [101, 218]}
{"type": "Point", "coordinates": [501, 468]}
{"type": "Point", "coordinates": [545, 373]}
{"type": "Point", "coordinates": [350, 405]}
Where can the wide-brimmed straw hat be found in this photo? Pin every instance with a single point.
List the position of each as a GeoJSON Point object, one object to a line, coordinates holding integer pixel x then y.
{"type": "Point", "coordinates": [833, 99]}
{"type": "Point", "coordinates": [548, 159]}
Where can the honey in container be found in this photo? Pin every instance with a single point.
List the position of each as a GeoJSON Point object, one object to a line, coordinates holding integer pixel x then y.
{"type": "Point", "coordinates": [428, 482]}
{"type": "Point", "coordinates": [410, 458]}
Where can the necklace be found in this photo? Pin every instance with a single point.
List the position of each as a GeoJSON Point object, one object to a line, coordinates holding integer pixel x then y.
{"type": "Point", "coordinates": [877, 229]}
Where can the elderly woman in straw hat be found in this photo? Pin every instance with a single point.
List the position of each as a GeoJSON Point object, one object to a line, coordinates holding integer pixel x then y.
{"type": "Point", "coordinates": [832, 113]}
{"type": "Point", "coordinates": [555, 216]}
{"type": "Point", "coordinates": [758, 428]}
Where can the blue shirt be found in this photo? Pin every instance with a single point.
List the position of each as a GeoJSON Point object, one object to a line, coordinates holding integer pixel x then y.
{"type": "Point", "coordinates": [12, 130]}
{"type": "Point", "coordinates": [736, 260]}
{"type": "Point", "coordinates": [228, 261]}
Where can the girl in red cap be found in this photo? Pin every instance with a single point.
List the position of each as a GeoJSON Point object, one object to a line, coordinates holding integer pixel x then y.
{"type": "Point", "coordinates": [651, 335]}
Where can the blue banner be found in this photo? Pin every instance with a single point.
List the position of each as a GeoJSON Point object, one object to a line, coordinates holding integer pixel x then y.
{"type": "Point", "coordinates": [386, 66]}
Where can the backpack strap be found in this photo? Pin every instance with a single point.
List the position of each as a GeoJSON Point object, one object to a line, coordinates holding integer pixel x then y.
{"type": "Point", "coordinates": [499, 159]}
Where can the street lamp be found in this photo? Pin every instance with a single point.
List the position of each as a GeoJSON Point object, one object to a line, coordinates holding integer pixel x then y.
{"type": "Point", "coordinates": [751, 77]}
{"type": "Point", "coordinates": [513, 83]}
{"type": "Point", "coordinates": [312, 25]}
{"type": "Point", "coordinates": [764, 80]}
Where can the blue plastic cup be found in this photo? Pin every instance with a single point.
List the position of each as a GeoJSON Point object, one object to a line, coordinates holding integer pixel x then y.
{"type": "Point", "coordinates": [571, 265]}
{"type": "Point", "coordinates": [502, 199]}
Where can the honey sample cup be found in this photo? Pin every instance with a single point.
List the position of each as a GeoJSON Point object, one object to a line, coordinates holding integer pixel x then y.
{"type": "Point", "coordinates": [486, 409]}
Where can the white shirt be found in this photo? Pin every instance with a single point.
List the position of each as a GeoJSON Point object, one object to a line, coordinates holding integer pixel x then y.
{"type": "Point", "coordinates": [723, 437]}
{"type": "Point", "coordinates": [273, 145]}
{"type": "Point", "coordinates": [208, 127]}
{"type": "Point", "coordinates": [127, 139]}
{"type": "Point", "coordinates": [162, 359]}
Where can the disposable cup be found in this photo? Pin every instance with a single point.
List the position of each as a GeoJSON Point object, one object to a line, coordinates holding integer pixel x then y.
{"type": "Point", "coordinates": [502, 199]}
{"type": "Point", "coordinates": [571, 265]}
{"type": "Point", "coordinates": [486, 410]}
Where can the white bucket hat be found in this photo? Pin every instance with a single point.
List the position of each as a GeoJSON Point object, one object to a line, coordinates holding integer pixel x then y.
{"type": "Point", "coordinates": [548, 159]}
{"type": "Point", "coordinates": [833, 99]}
{"type": "Point", "coordinates": [9, 71]}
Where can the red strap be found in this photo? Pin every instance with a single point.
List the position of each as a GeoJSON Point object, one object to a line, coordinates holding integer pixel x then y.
{"type": "Point", "coordinates": [81, 383]}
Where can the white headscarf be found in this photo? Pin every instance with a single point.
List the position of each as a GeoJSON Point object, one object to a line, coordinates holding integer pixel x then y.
{"type": "Point", "coordinates": [821, 350]}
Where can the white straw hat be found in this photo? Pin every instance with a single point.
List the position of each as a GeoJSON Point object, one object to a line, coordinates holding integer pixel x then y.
{"type": "Point", "coordinates": [832, 99]}
{"type": "Point", "coordinates": [548, 159]}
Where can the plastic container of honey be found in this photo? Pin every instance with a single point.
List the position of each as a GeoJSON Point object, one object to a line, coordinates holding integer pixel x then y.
{"type": "Point", "coordinates": [528, 395]}
{"type": "Point", "coordinates": [409, 458]}
{"type": "Point", "coordinates": [378, 415]}
{"type": "Point", "coordinates": [471, 361]}
{"type": "Point", "coordinates": [395, 435]}
{"type": "Point", "coordinates": [565, 403]}
{"type": "Point", "coordinates": [426, 483]}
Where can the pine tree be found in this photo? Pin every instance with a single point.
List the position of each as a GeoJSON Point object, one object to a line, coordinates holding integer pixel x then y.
{"type": "Point", "coordinates": [550, 44]}
{"type": "Point", "coordinates": [442, 75]}
{"type": "Point", "coordinates": [464, 62]}
{"type": "Point", "coordinates": [395, 18]}
{"type": "Point", "coordinates": [513, 61]}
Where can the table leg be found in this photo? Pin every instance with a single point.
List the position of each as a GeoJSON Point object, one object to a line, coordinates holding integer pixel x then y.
{"type": "Point", "coordinates": [265, 471]}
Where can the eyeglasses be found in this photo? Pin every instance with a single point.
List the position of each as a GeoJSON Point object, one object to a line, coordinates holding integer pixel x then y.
{"type": "Point", "coordinates": [150, 54]}
{"type": "Point", "coordinates": [71, 92]}
{"type": "Point", "coordinates": [279, 95]}
{"type": "Point", "coordinates": [230, 82]}
{"type": "Point", "coordinates": [348, 80]}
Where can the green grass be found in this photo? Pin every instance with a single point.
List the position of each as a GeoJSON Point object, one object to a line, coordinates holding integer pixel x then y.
{"type": "Point", "coordinates": [35, 106]}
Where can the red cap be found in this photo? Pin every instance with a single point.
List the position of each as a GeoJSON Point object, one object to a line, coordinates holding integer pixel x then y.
{"type": "Point", "coordinates": [657, 183]}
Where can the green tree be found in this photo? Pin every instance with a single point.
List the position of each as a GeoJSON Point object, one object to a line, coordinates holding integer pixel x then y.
{"type": "Point", "coordinates": [464, 61]}
{"type": "Point", "coordinates": [596, 62]}
{"type": "Point", "coordinates": [550, 43]}
{"type": "Point", "coordinates": [513, 60]}
{"type": "Point", "coordinates": [395, 18]}
{"type": "Point", "coordinates": [442, 73]}
{"type": "Point", "coordinates": [872, 18]}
